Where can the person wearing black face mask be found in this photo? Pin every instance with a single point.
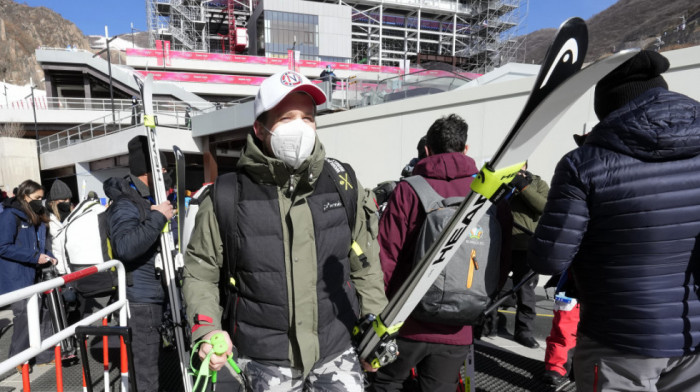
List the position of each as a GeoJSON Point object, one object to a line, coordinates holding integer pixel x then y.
{"type": "Point", "coordinates": [23, 227]}
{"type": "Point", "coordinates": [59, 207]}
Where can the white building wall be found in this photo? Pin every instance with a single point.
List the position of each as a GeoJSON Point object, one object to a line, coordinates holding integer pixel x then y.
{"type": "Point", "coordinates": [93, 180]}
{"type": "Point", "coordinates": [334, 24]}
{"type": "Point", "coordinates": [19, 162]}
{"type": "Point", "coordinates": [335, 30]}
{"type": "Point", "coordinates": [379, 140]}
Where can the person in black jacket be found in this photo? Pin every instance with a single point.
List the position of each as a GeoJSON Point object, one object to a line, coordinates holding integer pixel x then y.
{"type": "Point", "coordinates": [135, 225]}
{"type": "Point", "coordinates": [624, 212]}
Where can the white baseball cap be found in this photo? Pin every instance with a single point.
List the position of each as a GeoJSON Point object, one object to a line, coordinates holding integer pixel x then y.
{"type": "Point", "coordinates": [276, 87]}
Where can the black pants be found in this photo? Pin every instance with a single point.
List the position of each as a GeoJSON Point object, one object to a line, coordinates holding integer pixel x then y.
{"type": "Point", "coordinates": [437, 366]}
{"type": "Point", "coordinates": [20, 329]}
{"type": "Point", "coordinates": [144, 321]}
{"type": "Point", "coordinates": [526, 299]}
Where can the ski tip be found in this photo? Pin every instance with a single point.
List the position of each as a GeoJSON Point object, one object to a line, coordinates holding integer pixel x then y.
{"type": "Point", "coordinates": [573, 21]}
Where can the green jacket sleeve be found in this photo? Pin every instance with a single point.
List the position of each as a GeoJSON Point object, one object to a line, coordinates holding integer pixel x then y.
{"type": "Point", "coordinates": [203, 260]}
{"type": "Point", "coordinates": [367, 276]}
{"type": "Point", "coordinates": [535, 195]}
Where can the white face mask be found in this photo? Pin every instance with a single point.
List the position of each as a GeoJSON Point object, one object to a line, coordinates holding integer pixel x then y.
{"type": "Point", "coordinates": [293, 142]}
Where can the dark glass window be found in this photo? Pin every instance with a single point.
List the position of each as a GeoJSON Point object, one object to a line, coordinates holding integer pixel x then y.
{"type": "Point", "coordinates": [282, 28]}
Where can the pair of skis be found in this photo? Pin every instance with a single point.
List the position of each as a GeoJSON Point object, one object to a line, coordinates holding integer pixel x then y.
{"type": "Point", "coordinates": [170, 262]}
{"type": "Point", "coordinates": [558, 85]}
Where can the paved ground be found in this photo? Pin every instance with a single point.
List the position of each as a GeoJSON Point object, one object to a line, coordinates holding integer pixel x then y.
{"type": "Point", "coordinates": [501, 364]}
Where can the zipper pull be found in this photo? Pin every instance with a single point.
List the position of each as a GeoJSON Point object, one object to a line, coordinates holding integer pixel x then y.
{"type": "Point", "coordinates": [472, 266]}
{"type": "Point", "coordinates": [290, 189]}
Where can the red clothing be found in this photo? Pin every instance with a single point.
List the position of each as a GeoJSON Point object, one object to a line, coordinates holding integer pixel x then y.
{"type": "Point", "coordinates": [561, 340]}
{"type": "Point", "coordinates": [450, 174]}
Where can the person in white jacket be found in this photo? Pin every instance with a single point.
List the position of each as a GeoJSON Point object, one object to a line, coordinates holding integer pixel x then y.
{"type": "Point", "coordinates": [59, 206]}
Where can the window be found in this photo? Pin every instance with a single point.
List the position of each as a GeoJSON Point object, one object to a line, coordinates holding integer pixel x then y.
{"type": "Point", "coordinates": [283, 28]}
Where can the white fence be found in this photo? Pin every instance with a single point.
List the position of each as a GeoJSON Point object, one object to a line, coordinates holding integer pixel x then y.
{"type": "Point", "coordinates": [36, 345]}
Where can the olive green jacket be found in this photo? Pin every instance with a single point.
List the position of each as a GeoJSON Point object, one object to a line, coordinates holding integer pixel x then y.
{"type": "Point", "coordinates": [527, 207]}
{"type": "Point", "coordinates": [204, 258]}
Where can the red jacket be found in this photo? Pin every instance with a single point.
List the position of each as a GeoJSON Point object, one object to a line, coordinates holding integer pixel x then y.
{"type": "Point", "coordinates": [450, 174]}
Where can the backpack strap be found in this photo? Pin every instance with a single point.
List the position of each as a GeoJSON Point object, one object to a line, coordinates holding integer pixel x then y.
{"type": "Point", "coordinates": [428, 197]}
{"type": "Point", "coordinates": [345, 182]}
{"type": "Point", "coordinates": [224, 196]}
{"type": "Point", "coordinates": [343, 177]}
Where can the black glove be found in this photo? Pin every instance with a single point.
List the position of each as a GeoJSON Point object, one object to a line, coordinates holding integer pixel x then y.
{"type": "Point", "coordinates": [521, 180]}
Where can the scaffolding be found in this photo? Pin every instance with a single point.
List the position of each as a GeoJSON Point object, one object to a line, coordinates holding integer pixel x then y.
{"type": "Point", "coordinates": [197, 25]}
{"type": "Point", "coordinates": [475, 35]}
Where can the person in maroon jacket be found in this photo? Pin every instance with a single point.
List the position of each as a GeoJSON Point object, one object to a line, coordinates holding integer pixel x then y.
{"type": "Point", "coordinates": [435, 350]}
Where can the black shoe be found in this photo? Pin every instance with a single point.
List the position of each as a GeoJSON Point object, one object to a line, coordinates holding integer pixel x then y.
{"type": "Point", "coordinates": [553, 378]}
{"type": "Point", "coordinates": [527, 341]}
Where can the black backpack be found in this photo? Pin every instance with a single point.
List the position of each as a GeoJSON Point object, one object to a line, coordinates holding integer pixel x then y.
{"type": "Point", "coordinates": [382, 193]}
{"type": "Point", "coordinates": [469, 282]}
{"type": "Point", "coordinates": [225, 194]}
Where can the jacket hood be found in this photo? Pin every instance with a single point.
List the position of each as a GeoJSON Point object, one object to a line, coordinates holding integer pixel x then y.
{"type": "Point", "coordinates": [659, 125]}
{"type": "Point", "coordinates": [269, 170]}
{"type": "Point", "coordinates": [11, 202]}
{"type": "Point", "coordinates": [113, 187]}
{"type": "Point", "coordinates": [447, 166]}
{"type": "Point", "coordinates": [16, 206]}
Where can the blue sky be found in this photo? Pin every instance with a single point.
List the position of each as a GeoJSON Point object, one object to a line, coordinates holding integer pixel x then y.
{"type": "Point", "coordinates": [91, 16]}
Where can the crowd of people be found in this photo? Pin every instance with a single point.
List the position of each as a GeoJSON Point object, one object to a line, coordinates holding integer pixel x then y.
{"type": "Point", "coordinates": [289, 252]}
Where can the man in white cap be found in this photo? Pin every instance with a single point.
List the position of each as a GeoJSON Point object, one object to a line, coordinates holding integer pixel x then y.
{"type": "Point", "coordinates": [289, 240]}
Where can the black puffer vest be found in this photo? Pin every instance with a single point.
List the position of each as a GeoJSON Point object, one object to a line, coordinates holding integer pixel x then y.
{"type": "Point", "coordinates": [261, 323]}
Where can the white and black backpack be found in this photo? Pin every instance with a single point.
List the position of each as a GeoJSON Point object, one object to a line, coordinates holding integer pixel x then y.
{"type": "Point", "coordinates": [86, 243]}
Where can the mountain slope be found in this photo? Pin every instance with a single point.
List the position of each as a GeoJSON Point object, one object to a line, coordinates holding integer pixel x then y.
{"type": "Point", "coordinates": [649, 24]}
{"type": "Point", "coordinates": [22, 30]}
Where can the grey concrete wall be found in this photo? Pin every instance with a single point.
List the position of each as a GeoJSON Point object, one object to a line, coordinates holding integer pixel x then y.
{"type": "Point", "coordinates": [19, 162]}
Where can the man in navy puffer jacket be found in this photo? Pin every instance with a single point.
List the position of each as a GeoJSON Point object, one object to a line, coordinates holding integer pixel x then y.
{"type": "Point", "coordinates": [624, 211]}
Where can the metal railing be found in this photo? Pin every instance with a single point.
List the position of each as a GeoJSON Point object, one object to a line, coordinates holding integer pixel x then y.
{"type": "Point", "coordinates": [352, 92]}
{"type": "Point", "coordinates": [170, 113]}
{"type": "Point", "coordinates": [36, 344]}
{"type": "Point", "coordinates": [97, 104]}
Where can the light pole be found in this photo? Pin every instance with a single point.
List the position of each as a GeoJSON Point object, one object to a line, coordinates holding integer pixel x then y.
{"type": "Point", "coordinates": [109, 70]}
{"type": "Point", "coordinates": [31, 94]}
{"type": "Point", "coordinates": [7, 101]}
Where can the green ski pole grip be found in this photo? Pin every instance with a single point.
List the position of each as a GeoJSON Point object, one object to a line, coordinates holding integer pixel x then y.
{"type": "Point", "coordinates": [219, 345]}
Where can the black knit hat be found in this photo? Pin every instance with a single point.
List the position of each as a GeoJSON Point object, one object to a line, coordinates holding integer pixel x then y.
{"type": "Point", "coordinates": [626, 82]}
{"type": "Point", "coordinates": [139, 156]}
{"type": "Point", "coordinates": [139, 163]}
{"type": "Point", "coordinates": [59, 191]}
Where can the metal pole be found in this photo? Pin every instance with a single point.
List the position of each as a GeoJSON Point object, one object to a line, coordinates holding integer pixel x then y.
{"type": "Point", "coordinates": [133, 43]}
{"type": "Point", "coordinates": [7, 102]}
{"type": "Point", "coordinates": [109, 69]}
{"type": "Point", "coordinates": [36, 130]}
